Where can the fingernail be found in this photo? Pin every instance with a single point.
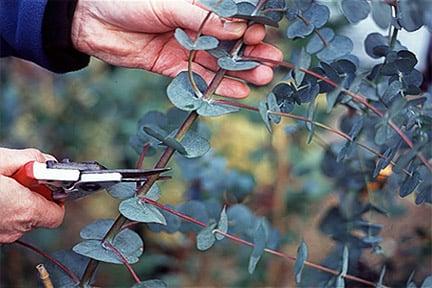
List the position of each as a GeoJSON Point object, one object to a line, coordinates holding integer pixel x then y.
{"type": "Point", "coordinates": [234, 27]}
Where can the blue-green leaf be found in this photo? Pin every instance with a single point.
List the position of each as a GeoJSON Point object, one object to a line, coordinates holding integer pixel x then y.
{"type": "Point", "coordinates": [154, 283]}
{"type": "Point", "coordinates": [345, 259]}
{"type": "Point", "coordinates": [154, 193]}
{"type": "Point", "coordinates": [182, 95]}
{"type": "Point", "coordinates": [211, 109]}
{"type": "Point", "coordinates": [128, 243]}
{"type": "Point", "coordinates": [302, 255]}
{"type": "Point", "coordinates": [169, 141]}
{"type": "Point", "coordinates": [260, 240]}
{"type": "Point", "coordinates": [273, 107]}
{"type": "Point", "coordinates": [136, 210]}
{"type": "Point", "coordinates": [304, 62]}
{"type": "Point", "coordinates": [230, 64]}
{"type": "Point", "coordinates": [427, 282]}
{"type": "Point", "coordinates": [381, 14]}
{"type": "Point", "coordinates": [355, 10]}
{"type": "Point", "coordinates": [97, 229]}
{"type": "Point", "coordinates": [222, 224]}
{"type": "Point", "coordinates": [338, 47]}
{"type": "Point", "coordinates": [194, 144]}
{"type": "Point", "coordinates": [202, 43]}
{"type": "Point", "coordinates": [410, 184]}
{"type": "Point", "coordinates": [316, 43]}
{"type": "Point", "coordinates": [206, 238]}
{"type": "Point", "coordinates": [262, 107]}
{"type": "Point", "coordinates": [123, 190]}
{"type": "Point", "coordinates": [223, 8]}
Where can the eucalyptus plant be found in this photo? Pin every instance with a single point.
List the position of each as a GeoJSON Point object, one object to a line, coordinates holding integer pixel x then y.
{"type": "Point", "coordinates": [387, 125]}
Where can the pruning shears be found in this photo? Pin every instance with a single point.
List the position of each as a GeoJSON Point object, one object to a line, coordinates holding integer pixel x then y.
{"type": "Point", "coordinates": [66, 180]}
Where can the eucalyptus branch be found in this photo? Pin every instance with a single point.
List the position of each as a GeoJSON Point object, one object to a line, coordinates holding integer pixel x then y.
{"type": "Point", "coordinates": [165, 157]}
{"type": "Point", "coordinates": [316, 31]}
{"type": "Point", "coordinates": [356, 97]}
{"type": "Point", "coordinates": [192, 56]}
{"type": "Point", "coordinates": [65, 269]}
{"type": "Point", "coordinates": [318, 124]}
{"type": "Point", "coordinates": [123, 260]}
{"type": "Point", "coordinates": [250, 244]}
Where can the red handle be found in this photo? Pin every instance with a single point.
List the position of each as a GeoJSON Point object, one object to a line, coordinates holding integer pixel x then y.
{"type": "Point", "coordinates": [25, 176]}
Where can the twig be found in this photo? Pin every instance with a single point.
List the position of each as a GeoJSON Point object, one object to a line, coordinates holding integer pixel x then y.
{"type": "Point", "coordinates": [250, 244]}
{"type": "Point", "coordinates": [65, 269]}
{"type": "Point", "coordinates": [123, 260]}
{"type": "Point", "coordinates": [191, 57]}
{"type": "Point", "coordinates": [318, 124]}
{"type": "Point", "coordinates": [356, 97]}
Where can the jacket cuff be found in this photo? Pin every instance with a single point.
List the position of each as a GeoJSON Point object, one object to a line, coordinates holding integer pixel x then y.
{"type": "Point", "coordinates": [56, 37]}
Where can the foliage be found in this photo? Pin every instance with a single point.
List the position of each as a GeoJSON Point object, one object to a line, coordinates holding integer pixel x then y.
{"type": "Point", "coordinates": [385, 137]}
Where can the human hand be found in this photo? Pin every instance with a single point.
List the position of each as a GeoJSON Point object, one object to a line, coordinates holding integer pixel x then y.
{"type": "Point", "coordinates": [20, 208]}
{"type": "Point", "coordinates": [140, 34]}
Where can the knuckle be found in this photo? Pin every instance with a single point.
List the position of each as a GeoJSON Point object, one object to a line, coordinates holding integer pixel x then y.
{"type": "Point", "coordinates": [35, 154]}
{"type": "Point", "coordinates": [10, 237]}
{"type": "Point", "coordinates": [56, 221]}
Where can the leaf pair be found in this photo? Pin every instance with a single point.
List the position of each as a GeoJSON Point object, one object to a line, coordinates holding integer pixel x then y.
{"type": "Point", "coordinates": [208, 236]}
{"type": "Point", "coordinates": [182, 95]}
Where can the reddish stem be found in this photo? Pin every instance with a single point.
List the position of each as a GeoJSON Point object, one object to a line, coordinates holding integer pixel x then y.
{"type": "Point", "coordinates": [357, 97]}
{"type": "Point", "coordinates": [250, 244]}
{"type": "Point", "coordinates": [123, 260]}
{"type": "Point", "coordinates": [65, 269]}
{"type": "Point", "coordinates": [140, 162]}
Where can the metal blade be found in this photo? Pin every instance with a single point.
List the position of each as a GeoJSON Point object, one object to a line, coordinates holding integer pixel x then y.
{"type": "Point", "coordinates": [130, 174]}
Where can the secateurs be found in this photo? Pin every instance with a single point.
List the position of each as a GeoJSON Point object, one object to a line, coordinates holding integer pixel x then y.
{"type": "Point", "coordinates": [66, 180]}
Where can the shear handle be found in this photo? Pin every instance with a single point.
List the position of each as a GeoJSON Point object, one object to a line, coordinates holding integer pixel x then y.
{"type": "Point", "coordinates": [26, 177]}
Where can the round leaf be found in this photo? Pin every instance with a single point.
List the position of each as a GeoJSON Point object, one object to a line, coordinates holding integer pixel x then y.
{"type": "Point", "coordinates": [222, 224]}
{"type": "Point", "coordinates": [181, 94]}
{"type": "Point", "coordinates": [338, 47]}
{"type": "Point", "coordinates": [355, 10]}
{"type": "Point", "coordinates": [230, 64]}
{"type": "Point", "coordinates": [136, 210]}
{"type": "Point", "coordinates": [316, 43]}
{"type": "Point", "coordinates": [206, 238]}
{"type": "Point", "coordinates": [223, 8]}
{"type": "Point", "coordinates": [209, 109]}
{"type": "Point", "coordinates": [122, 190]}
{"type": "Point", "coordinates": [128, 243]}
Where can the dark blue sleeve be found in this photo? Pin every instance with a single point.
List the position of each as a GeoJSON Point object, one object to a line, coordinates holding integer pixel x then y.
{"type": "Point", "coordinates": [39, 31]}
{"type": "Point", "coordinates": [21, 30]}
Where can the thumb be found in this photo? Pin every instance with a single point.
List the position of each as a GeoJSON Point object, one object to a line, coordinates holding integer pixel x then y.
{"type": "Point", "coordinates": [190, 16]}
{"type": "Point", "coordinates": [12, 159]}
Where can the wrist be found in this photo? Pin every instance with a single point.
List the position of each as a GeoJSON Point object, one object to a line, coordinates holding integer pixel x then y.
{"type": "Point", "coordinates": [57, 37]}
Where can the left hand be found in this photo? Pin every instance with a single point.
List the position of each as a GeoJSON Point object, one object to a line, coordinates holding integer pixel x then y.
{"type": "Point", "coordinates": [140, 34]}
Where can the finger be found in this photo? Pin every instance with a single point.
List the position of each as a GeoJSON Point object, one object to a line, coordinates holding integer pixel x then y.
{"type": "Point", "coordinates": [254, 34]}
{"type": "Point", "coordinates": [13, 159]}
{"type": "Point", "coordinates": [47, 214]}
{"type": "Point", "coordinates": [189, 16]}
{"type": "Point", "coordinates": [228, 87]}
{"type": "Point", "coordinates": [264, 50]}
{"type": "Point", "coordinates": [27, 209]}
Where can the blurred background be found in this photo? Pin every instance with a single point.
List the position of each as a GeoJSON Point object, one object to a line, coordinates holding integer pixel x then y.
{"type": "Point", "coordinates": [92, 113]}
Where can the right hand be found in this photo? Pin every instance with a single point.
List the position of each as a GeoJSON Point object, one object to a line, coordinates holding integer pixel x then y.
{"type": "Point", "coordinates": [140, 34]}
{"type": "Point", "coordinates": [20, 208]}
